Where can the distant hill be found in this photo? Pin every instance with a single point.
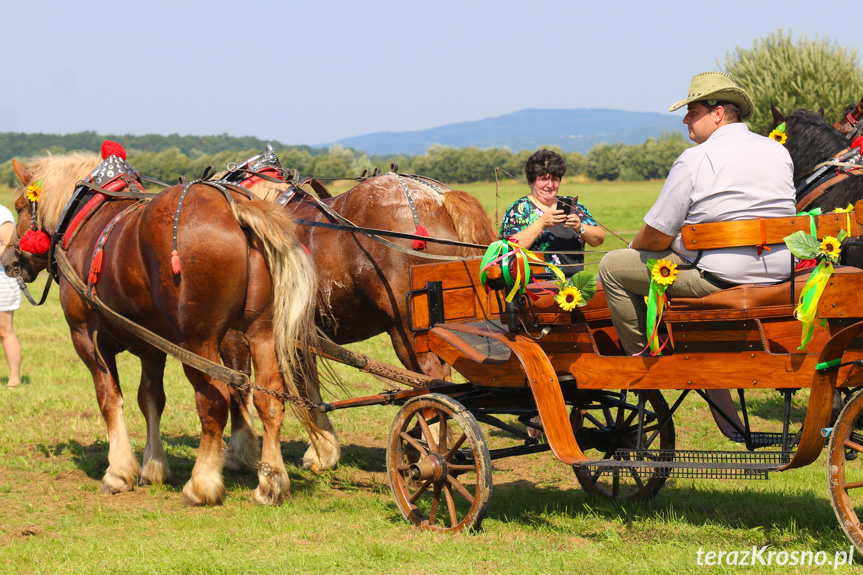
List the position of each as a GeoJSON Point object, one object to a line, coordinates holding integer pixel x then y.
{"type": "Point", "coordinates": [576, 130]}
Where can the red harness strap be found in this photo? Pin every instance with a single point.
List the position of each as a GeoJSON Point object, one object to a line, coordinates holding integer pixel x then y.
{"type": "Point", "coordinates": [98, 251]}
{"type": "Point", "coordinates": [252, 180]}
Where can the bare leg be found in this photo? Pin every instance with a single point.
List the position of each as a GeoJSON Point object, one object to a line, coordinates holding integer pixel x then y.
{"type": "Point", "coordinates": [11, 347]}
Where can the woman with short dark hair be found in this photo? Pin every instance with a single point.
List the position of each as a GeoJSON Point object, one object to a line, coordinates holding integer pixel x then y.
{"type": "Point", "coordinates": [544, 221]}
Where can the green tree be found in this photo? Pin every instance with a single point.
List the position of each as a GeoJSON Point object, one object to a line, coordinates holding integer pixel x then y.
{"type": "Point", "coordinates": [803, 74]}
{"type": "Point", "coordinates": [605, 161]}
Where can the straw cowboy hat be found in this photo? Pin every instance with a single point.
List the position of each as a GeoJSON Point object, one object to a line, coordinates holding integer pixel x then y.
{"type": "Point", "coordinates": [716, 86]}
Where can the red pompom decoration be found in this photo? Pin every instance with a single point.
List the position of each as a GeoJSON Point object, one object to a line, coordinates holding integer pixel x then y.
{"type": "Point", "coordinates": [858, 142]}
{"type": "Point", "coordinates": [420, 245]}
{"type": "Point", "coordinates": [110, 148]}
{"type": "Point", "coordinates": [36, 242]}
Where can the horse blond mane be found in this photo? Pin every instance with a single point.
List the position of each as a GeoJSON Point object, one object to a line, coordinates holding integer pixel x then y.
{"type": "Point", "coordinates": [58, 175]}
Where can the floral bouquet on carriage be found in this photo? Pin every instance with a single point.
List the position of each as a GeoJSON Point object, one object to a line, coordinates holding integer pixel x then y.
{"type": "Point", "coordinates": [514, 262]}
{"type": "Point", "coordinates": [826, 252]}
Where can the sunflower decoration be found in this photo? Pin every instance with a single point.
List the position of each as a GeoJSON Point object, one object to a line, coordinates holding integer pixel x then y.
{"type": "Point", "coordinates": [779, 134]}
{"type": "Point", "coordinates": [663, 272]}
{"type": "Point", "coordinates": [662, 275]}
{"type": "Point", "coordinates": [568, 298]}
{"type": "Point", "coordinates": [806, 246]}
{"type": "Point", "coordinates": [34, 191]}
{"type": "Point", "coordinates": [830, 249]}
{"type": "Point", "coordinates": [575, 291]}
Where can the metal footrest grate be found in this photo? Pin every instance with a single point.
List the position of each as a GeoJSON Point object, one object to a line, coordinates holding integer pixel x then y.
{"type": "Point", "coordinates": [690, 464]}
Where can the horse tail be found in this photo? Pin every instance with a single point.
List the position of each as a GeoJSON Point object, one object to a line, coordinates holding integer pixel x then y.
{"type": "Point", "coordinates": [470, 220]}
{"type": "Point", "coordinates": [294, 292]}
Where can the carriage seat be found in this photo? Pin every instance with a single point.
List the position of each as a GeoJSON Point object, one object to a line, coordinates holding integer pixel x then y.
{"type": "Point", "coordinates": [741, 301]}
{"type": "Point", "coordinates": [749, 300]}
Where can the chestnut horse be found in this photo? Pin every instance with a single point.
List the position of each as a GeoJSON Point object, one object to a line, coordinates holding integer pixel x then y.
{"type": "Point", "coordinates": [363, 283]}
{"type": "Point", "coordinates": [242, 268]}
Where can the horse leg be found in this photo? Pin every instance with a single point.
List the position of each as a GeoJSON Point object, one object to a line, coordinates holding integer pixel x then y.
{"type": "Point", "coordinates": [123, 467]}
{"type": "Point", "coordinates": [324, 450]}
{"type": "Point", "coordinates": [243, 451]}
{"type": "Point", "coordinates": [206, 486]}
{"type": "Point", "coordinates": [426, 362]}
{"type": "Point", "coordinates": [273, 481]}
{"type": "Point", "coordinates": [151, 400]}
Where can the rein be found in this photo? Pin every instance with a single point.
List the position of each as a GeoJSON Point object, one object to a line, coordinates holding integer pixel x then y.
{"type": "Point", "coordinates": [375, 234]}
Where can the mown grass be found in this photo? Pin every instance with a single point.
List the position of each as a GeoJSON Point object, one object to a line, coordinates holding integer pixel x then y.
{"type": "Point", "coordinates": [53, 452]}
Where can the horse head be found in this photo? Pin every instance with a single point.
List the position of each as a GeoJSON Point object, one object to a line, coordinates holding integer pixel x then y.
{"type": "Point", "coordinates": [15, 261]}
{"type": "Point", "coordinates": [851, 116]}
{"type": "Point", "coordinates": [46, 184]}
{"type": "Point", "coordinates": [809, 138]}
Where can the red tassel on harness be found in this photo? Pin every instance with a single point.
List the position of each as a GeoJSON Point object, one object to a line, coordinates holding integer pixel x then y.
{"type": "Point", "coordinates": [175, 262]}
{"type": "Point", "coordinates": [35, 242]}
{"type": "Point", "coordinates": [110, 148]}
{"type": "Point", "coordinates": [420, 245]}
{"type": "Point", "coordinates": [95, 267]}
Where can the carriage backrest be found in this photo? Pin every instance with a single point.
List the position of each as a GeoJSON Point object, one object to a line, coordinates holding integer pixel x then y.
{"type": "Point", "coordinates": [766, 231]}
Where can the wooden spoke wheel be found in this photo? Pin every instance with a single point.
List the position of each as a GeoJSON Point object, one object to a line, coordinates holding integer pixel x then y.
{"type": "Point", "coordinates": [845, 469]}
{"type": "Point", "coordinates": [609, 423]}
{"type": "Point", "coordinates": [438, 464]}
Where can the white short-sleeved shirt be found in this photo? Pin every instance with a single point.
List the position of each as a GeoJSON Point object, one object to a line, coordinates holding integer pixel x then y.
{"type": "Point", "coordinates": [10, 293]}
{"type": "Point", "coordinates": [734, 175]}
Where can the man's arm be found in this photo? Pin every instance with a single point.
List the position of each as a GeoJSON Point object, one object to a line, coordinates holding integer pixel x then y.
{"type": "Point", "coordinates": [651, 240]}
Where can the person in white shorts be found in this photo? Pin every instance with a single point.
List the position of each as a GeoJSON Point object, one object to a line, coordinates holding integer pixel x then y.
{"type": "Point", "coordinates": [10, 300]}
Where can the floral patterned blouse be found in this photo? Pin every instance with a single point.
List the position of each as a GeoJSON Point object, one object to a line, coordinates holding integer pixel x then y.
{"type": "Point", "coordinates": [559, 238]}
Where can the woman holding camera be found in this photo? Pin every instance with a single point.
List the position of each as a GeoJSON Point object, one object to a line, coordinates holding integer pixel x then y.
{"type": "Point", "coordinates": [544, 221]}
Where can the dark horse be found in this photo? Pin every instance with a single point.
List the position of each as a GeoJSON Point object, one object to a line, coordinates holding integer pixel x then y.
{"type": "Point", "coordinates": [241, 268]}
{"type": "Point", "coordinates": [363, 283]}
{"type": "Point", "coordinates": [811, 141]}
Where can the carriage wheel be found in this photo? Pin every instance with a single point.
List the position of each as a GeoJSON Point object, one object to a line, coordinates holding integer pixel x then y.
{"type": "Point", "coordinates": [438, 464]}
{"type": "Point", "coordinates": [611, 423]}
{"type": "Point", "coordinates": [845, 469]}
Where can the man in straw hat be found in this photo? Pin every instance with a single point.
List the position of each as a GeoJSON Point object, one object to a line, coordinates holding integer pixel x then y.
{"type": "Point", "coordinates": [732, 174]}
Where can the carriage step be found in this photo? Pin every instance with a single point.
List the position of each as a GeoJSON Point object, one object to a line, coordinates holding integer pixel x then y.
{"type": "Point", "coordinates": [690, 464]}
{"type": "Point", "coordinates": [762, 439]}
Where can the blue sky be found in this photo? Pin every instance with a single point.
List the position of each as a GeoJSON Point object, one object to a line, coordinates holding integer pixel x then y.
{"type": "Point", "coordinates": [313, 72]}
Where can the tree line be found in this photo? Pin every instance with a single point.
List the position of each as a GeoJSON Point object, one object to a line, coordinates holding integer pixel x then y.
{"type": "Point", "coordinates": [185, 156]}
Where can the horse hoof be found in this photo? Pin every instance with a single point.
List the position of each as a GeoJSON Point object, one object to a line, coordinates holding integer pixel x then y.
{"type": "Point", "coordinates": [108, 489]}
{"type": "Point", "coordinates": [203, 489]}
{"type": "Point", "coordinates": [273, 485]}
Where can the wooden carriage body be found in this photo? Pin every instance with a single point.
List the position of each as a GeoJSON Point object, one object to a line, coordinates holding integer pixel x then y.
{"type": "Point", "coordinates": [563, 373]}
{"type": "Point", "coordinates": [744, 337]}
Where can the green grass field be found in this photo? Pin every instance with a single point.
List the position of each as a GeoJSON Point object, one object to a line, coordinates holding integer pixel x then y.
{"type": "Point", "coordinates": [53, 452]}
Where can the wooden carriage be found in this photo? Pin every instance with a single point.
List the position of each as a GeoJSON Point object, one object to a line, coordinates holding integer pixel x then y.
{"type": "Point", "coordinates": [562, 373]}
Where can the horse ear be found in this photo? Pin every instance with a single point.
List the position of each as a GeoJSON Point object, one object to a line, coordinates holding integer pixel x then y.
{"type": "Point", "coordinates": [778, 118]}
{"type": "Point", "coordinates": [22, 172]}
{"type": "Point", "coordinates": [820, 112]}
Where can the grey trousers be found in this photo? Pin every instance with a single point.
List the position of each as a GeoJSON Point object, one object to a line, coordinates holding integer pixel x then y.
{"type": "Point", "coordinates": [626, 281]}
